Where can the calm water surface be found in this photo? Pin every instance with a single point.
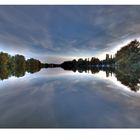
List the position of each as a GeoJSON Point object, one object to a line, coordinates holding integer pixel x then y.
{"type": "Point", "coordinates": [54, 98]}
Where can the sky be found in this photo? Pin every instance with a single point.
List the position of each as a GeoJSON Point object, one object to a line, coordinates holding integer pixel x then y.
{"type": "Point", "coordinates": [55, 34]}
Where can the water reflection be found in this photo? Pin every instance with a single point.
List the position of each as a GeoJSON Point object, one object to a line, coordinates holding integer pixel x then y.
{"type": "Point", "coordinates": [6, 72]}
{"type": "Point", "coordinates": [127, 77]}
{"type": "Point", "coordinates": [55, 98]}
{"type": "Point", "coordinates": [130, 79]}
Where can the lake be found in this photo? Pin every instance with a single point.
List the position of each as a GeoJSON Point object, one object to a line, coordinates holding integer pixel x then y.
{"type": "Point", "coordinates": [55, 98]}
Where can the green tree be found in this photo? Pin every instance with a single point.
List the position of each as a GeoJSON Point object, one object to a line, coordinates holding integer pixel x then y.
{"type": "Point", "coordinates": [94, 61]}
{"type": "Point", "coordinates": [4, 58]}
{"type": "Point", "coordinates": [33, 65]}
{"type": "Point", "coordinates": [19, 61]}
{"type": "Point", "coordinates": [129, 55]}
{"type": "Point", "coordinates": [20, 65]}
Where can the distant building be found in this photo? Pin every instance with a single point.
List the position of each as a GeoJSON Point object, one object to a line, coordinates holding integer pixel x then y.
{"type": "Point", "coordinates": [107, 56]}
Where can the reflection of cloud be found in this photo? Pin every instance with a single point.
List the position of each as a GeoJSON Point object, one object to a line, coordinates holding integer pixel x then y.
{"type": "Point", "coordinates": [70, 101]}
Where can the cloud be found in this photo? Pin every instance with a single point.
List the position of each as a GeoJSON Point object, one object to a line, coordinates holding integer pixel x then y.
{"type": "Point", "coordinates": [41, 31]}
{"type": "Point", "coordinates": [20, 30]}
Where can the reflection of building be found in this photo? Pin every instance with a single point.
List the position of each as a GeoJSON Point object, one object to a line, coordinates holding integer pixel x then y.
{"type": "Point", "coordinates": [108, 73]}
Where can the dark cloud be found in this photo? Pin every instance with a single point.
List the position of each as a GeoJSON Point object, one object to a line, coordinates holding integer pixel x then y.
{"type": "Point", "coordinates": [42, 31]}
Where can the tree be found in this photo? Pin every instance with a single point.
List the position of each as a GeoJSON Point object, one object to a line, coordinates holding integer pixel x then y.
{"type": "Point", "coordinates": [33, 65]}
{"type": "Point", "coordinates": [20, 60]}
{"type": "Point", "coordinates": [129, 55]}
{"type": "Point", "coordinates": [20, 65]}
{"type": "Point", "coordinates": [4, 58]}
{"type": "Point", "coordinates": [94, 61]}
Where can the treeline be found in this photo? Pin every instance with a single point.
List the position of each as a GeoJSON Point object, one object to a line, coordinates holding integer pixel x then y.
{"type": "Point", "coordinates": [93, 62]}
{"type": "Point", "coordinates": [128, 56]}
{"type": "Point", "coordinates": [17, 65]}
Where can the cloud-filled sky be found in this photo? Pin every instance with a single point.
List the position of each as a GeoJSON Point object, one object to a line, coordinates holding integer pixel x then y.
{"type": "Point", "coordinates": [57, 33]}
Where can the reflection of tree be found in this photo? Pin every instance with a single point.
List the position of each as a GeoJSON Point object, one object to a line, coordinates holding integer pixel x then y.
{"type": "Point", "coordinates": [129, 78]}
{"type": "Point", "coordinates": [19, 72]}
{"type": "Point", "coordinates": [4, 73]}
{"type": "Point", "coordinates": [87, 69]}
{"type": "Point", "coordinates": [17, 65]}
{"type": "Point", "coordinates": [94, 70]}
{"type": "Point", "coordinates": [81, 69]}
